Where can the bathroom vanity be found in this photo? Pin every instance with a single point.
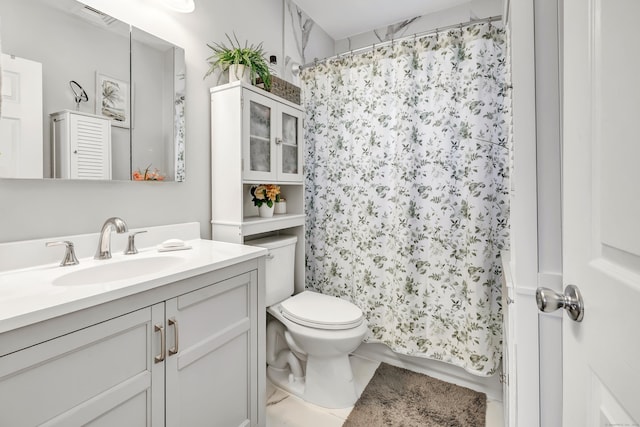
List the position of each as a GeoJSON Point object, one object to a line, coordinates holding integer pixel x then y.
{"type": "Point", "coordinates": [176, 343]}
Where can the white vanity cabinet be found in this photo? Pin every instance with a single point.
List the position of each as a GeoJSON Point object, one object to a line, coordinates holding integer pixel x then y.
{"type": "Point", "coordinates": [81, 145]}
{"type": "Point", "coordinates": [194, 358]}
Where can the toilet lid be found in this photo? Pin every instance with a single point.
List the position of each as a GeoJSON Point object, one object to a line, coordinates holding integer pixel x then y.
{"type": "Point", "coordinates": [321, 311]}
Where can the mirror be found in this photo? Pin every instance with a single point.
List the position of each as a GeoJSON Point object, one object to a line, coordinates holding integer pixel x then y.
{"type": "Point", "coordinates": [131, 127]}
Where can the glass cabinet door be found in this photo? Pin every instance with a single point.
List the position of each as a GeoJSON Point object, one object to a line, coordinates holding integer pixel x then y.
{"type": "Point", "coordinates": [289, 144]}
{"type": "Point", "coordinates": [259, 151]}
{"type": "Point", "coordinates": [272, 140]}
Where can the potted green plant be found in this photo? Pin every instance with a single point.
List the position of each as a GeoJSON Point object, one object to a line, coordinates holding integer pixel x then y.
{"type": "Point", "coordinates": [249, 56]}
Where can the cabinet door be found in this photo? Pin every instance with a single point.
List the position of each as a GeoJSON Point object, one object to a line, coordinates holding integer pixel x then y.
{"type": "Point", "coordinates": [258, 137]}
{"type": "Point", "coordinates": [90, 147]}
{"type": "Point", "coordinates": [102, 375]}
{"type": "Point", "coordinates": [289, 144]}
{"type": "Point", "coordinates": [212, 379]}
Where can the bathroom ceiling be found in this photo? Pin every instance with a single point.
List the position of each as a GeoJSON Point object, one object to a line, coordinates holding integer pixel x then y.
{"type": "Point", "coordinates": [344, 18]}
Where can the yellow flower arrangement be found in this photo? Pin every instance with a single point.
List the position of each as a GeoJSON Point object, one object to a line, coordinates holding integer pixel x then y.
{"type": "Point", "coordinates": [265, 193]}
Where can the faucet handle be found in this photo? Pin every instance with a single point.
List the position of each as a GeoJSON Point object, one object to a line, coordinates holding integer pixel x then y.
{"type": "Point", "coordinates": [131, 244]}
{"type": "Point", "coordinates": [69, 254]}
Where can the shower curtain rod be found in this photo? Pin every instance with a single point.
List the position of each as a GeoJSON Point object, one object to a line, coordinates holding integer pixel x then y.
{"type": "Point", "coordinates": [413, 36]}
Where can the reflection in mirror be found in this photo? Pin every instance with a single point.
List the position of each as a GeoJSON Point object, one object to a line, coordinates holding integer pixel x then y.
{"type": "Point", "coordinates": [66, 41]}
{"type": "Point", "coordinates": [79, 93]}
{"type": "Point", "coordinates": [157, 73]}
{"type": "Point", "coordinates": [48, 43]}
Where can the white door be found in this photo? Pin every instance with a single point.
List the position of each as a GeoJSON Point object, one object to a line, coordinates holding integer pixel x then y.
{"type": "Point", "coordinates": [601, 211]}
{"type": "Point", "coordinates": [21, 124]}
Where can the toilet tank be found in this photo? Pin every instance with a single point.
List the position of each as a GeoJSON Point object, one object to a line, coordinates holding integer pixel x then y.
{"type": "Point", "coordinates": [279, 267]}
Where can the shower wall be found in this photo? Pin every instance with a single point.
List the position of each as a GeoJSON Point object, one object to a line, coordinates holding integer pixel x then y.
{"type": "Point", "coordinates": [474, 9]}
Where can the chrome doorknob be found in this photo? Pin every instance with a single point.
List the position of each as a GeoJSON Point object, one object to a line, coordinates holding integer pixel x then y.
{"type": "Point", "coordinates": [549, 300]}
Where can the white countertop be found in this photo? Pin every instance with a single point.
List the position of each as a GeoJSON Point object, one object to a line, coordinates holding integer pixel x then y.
{"type": "Point", "coordinates": [28, 296]}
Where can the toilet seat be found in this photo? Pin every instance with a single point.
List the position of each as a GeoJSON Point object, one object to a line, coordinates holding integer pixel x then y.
{"type": "Point", "coordinates": [321, 311]}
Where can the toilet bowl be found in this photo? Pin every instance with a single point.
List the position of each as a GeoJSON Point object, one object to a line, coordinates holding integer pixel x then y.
{"type": "Point", "coordinates": [326, 346]}
{"type": "Point", "coordinates": [308, 347]}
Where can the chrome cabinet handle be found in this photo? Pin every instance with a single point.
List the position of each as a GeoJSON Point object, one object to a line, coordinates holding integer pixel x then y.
{"type": "Point", "coordinates": [548, 300]}
{"type": "Point", "coordinates": [160, 358]}
{"type": "Point", "coordinates": [174, 350]}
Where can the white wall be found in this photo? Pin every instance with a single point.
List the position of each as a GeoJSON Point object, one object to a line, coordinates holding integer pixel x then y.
{"type": "Point", "coordinates": [45, 208]}
{"type": "Point", "coordinates": [299, 29]}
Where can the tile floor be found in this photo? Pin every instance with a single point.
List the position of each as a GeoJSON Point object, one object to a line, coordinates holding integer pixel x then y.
{"type": "Point", "coordinates": [285, 410]}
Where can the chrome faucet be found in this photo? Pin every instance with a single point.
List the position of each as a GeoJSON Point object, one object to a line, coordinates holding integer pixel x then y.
{"type": "Point", "coordinates": [104, 244]}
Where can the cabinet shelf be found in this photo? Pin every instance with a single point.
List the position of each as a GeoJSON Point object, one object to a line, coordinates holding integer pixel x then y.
{"type": "Point", "coordinates": [255, 224]}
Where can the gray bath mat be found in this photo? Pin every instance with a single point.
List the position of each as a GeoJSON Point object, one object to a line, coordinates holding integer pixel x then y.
{"type": "Point", "coordinates": [398, 397]}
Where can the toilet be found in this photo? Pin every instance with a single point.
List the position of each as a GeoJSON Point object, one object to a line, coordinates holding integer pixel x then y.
{"type": "Point", "coordinates": [309, 335]}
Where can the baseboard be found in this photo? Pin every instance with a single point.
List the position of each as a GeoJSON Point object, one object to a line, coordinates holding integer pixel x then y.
{"type": "Point", "coordinates": [491, 386]}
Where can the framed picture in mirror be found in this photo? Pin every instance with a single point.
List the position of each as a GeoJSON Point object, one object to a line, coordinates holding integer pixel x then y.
{"type": "Point", "coordinates": [112, 100]}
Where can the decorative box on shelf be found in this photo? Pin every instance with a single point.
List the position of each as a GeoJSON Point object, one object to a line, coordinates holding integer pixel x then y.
{"type": "Point", "coordinates": [284, 89]}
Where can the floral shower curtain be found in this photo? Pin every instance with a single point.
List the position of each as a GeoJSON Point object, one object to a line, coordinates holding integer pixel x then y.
{"type": "Point", "coordinates": [407, 191]}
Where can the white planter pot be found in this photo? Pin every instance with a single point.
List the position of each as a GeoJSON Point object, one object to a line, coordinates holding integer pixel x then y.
{"type": "Point", "coordinates": [280, 207]}
{"type": "Point", "coordinates": [265, 211]}
{"type": "Point", "coordinates": [239, 72]}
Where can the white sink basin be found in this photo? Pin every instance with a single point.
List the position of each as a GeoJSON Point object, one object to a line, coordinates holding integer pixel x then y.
{"type": "Point", "coordinates": [119, 270]}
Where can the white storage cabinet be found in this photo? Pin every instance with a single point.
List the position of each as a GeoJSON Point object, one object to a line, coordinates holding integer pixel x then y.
{"type": "Point", "coordinates": [256, 137]}
{"type": "Point", "coordinates": [81, 145]}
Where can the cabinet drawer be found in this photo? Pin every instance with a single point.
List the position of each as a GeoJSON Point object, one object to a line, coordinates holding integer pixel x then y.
{"type": "Point", "coordinates": [81, 377]}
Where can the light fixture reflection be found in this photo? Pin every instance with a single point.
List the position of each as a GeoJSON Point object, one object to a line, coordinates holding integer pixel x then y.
{"type": "Point", "coordinates": [183, 6]}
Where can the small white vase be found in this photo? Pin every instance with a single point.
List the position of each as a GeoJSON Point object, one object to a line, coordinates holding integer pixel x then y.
{"type": "Point", "coordinates": [239, 72]}
{"type": "Point", "coordinates": [280, 207]}
{"type": "Point", "coordinates": [265, 211]}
